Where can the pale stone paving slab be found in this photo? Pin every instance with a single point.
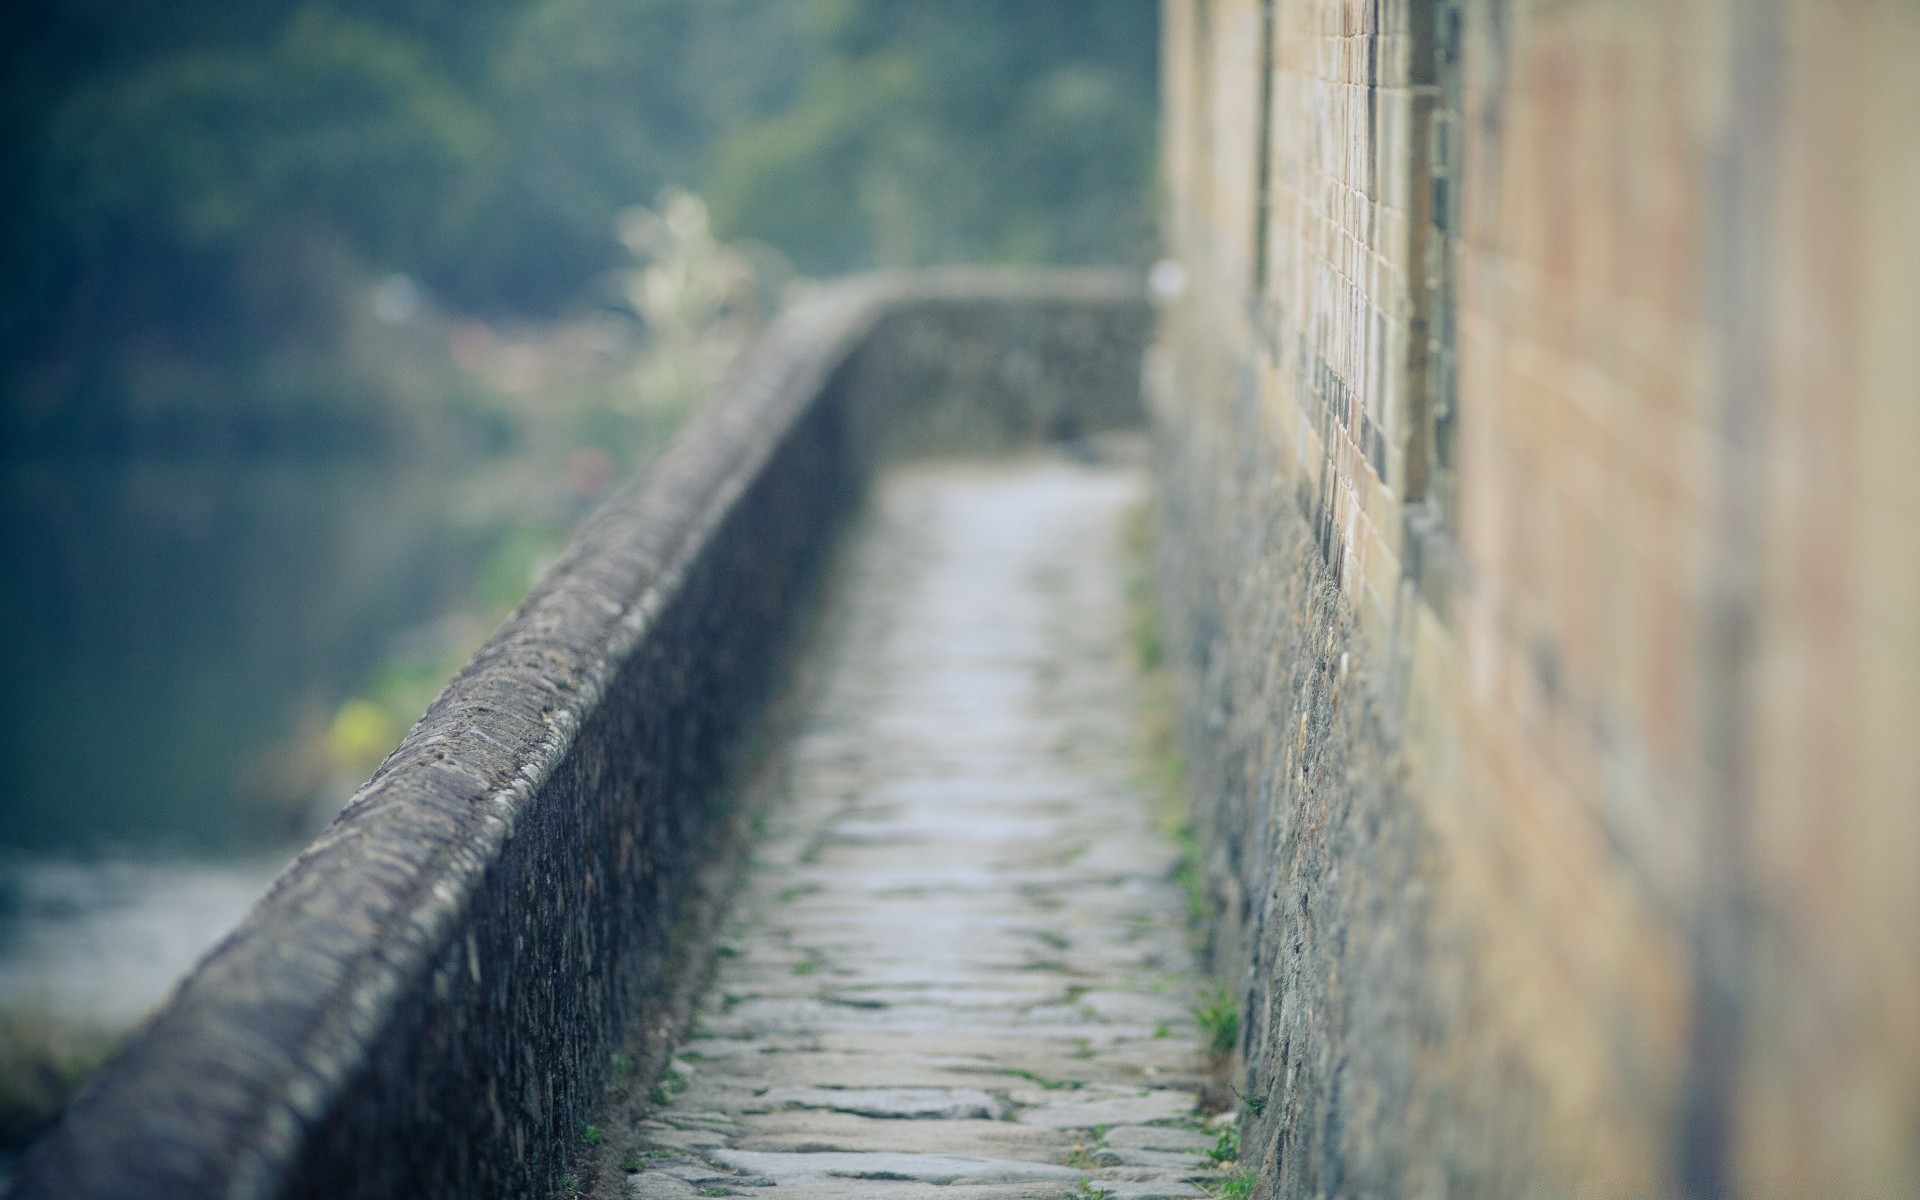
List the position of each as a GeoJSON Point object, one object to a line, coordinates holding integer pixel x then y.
{"type": "Point", "coordinates": [958, 967]}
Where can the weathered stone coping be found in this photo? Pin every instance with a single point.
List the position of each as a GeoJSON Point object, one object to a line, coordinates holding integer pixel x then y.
{"type": "Point", "coordinates": [426, 1002]}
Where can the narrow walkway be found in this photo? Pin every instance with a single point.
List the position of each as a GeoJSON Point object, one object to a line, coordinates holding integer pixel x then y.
{"type": "Point", "coordinates": [958, 968]}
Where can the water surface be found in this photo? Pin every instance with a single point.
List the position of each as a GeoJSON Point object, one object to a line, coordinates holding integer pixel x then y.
{"type": "Point", "coordinates": [179, 639]}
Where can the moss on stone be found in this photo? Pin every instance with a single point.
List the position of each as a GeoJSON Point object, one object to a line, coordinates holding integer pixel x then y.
{"type": "Point", "coordinates": [45, 1059]}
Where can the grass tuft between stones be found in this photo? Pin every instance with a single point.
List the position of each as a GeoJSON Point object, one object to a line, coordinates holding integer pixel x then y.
{"type": "Point", "coordinates": [1237, 1186]}
{"type": "Point", "coordinates": [1227, 1148]}
{"type": "Point", "coordinates": [1219, 1019]}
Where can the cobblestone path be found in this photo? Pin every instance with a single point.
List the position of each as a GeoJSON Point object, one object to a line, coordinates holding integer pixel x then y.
{"type": "Point", "coordinates": [958, 967]}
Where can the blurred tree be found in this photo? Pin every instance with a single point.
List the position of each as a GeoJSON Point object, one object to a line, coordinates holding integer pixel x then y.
{"type": "Point", "coordinates": [204, 183]}
{"type": "Point", "coordinates": [603, 104]}
{"type": "Point", "coordinates": [186, 184]}
{"type": "Point", "coordinates": [338, 124]}
{"type": "Point", "coordinates": [995, 130]}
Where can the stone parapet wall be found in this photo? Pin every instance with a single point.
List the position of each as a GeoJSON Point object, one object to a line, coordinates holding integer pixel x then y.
{"type": "Point", "coordinates": [426, 1004]}
{"type": "Point", "coordinates": [1541, 555]}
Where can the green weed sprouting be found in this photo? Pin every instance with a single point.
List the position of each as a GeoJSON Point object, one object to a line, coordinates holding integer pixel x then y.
{"type": "Point", "coordinates": [1080, 1157]}
{"type": "Point", "coordinates": [1219, 1019]}
{"type": "Point", "coordinates": [1186, 872]}
{"type": "Point", "coordinates": [1164, 766]}
{"type": "Point", "coordinates": [1226, 1148]}
{"type": "Point", "coordinates": [672, 1082]}
{"type": "Point", "coordinates": [1238, 1186]}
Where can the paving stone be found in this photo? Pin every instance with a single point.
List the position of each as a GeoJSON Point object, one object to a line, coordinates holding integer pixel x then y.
{"type": "Point", "coordinates": [1157, 1189]}
{"type": "Point", "coordinates": [695, 1172]}
{"type": "Point", "coordinates": [905, 1103]}
{"type": "Point", "coordinates": [959, 946]}
{"type": "Point", "coordinates": [665, 1137]}
{"type": "Point", "coordinates": [1155, 1105]}
{"type": "Point", "coordinates": [652, 1185]}
{"type": "Point", "coordinates": [1181, 1163]}
{"type": "Point", "coordinates": [1159, 1137]}
{"type": "Point", "coordinates": [1137, 1007]}
{"type": "Point", "coordinates": [803, 1132]}
{"type": "Point", "coordinates": [824, 1187]}
{"type": "Point", "coordinates": [921, 1168]}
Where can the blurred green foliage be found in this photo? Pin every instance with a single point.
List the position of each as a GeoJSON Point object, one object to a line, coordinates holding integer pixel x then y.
{"type": "Point", "coordinates": [200, 191]}
{"type": "Point", "coordinates": [44, 1058]}
{"type": "Point", "coordinates": [991, 130]}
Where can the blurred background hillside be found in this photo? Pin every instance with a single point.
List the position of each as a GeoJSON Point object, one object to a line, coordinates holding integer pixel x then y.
{"type": "Point", "coordinates": [325, 322]}
{"type": "Point", "coordinates": [196, 192]}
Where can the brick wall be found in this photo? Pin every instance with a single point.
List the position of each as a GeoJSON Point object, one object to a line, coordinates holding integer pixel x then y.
{"type": "Point", "coordinates": [1577, 338]}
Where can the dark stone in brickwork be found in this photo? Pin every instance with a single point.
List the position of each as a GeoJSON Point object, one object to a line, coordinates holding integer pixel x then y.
{"type": "Point", "coordinates": [426, 1003]}
{"type": "Point", "coordinates": [1353, 1006]}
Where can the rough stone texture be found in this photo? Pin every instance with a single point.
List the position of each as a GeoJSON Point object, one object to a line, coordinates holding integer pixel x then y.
{"type": "Point", "coordinates": [1316, 858]}
{"type": "Point", "coordinates": [984, 362]}
{"type": "Point", "coordinates": [1541, 426]}
{"type": "Point", "coordinates": [426, 1003]}
{"type": "Point", "coordinates": [960, 957]}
